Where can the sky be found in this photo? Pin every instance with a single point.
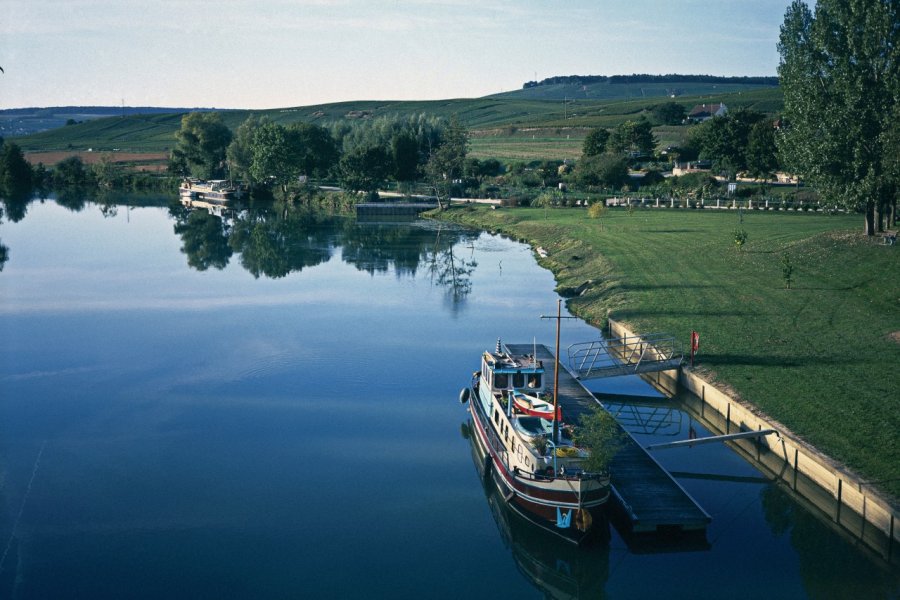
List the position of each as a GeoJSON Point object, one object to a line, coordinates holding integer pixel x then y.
{"type": "Point", "coordinates": [283, 53]}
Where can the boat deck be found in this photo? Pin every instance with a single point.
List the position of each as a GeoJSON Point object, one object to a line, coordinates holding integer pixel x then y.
{"type": "Point", "coordinates": [646, 494]}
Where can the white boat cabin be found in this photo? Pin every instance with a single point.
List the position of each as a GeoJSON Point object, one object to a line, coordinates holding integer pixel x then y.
{"type": "Point", "coordinates": [504, 372]}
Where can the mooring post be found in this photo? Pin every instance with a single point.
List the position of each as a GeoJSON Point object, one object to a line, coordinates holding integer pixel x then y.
{"type": "Point", "coordinates": [840, 490]}
{"type": "Point", "coordinates": [728, 419]}
{"type": "Point", "coordinates": [796, 464]}
{"type": "Point", "coordinates": [891, 539]}
{"type": "Point", "coordinates": [758, 443]}
{"type": "Point", "coordinates": [702, 401]}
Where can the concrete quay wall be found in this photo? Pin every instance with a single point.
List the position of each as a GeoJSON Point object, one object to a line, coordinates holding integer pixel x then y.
{"type": "Point", "coordinates": [850, 502]}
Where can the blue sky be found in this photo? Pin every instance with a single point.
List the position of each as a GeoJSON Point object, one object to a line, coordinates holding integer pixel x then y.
{"type": "Point", "coordinates": [280, 53]}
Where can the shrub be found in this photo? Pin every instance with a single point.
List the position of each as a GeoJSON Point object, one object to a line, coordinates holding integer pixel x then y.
{"type": "Point", "coordinates": [597, 209]}
{"type": "Point", "coordinates": [740, 238]}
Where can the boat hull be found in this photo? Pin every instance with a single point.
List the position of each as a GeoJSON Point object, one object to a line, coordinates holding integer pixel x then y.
{"type": "Point", "coordinates": [567, 507]}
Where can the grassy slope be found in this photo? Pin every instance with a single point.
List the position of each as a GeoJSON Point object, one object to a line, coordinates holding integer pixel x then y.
{"type": "Point", "coordinates": [490, 120]}
{"type": "Point", "coordinates": [818, 358]}
{"type": "Point", "coordinates": [626, 91]}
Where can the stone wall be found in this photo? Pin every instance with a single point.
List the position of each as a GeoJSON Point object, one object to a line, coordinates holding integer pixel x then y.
{"type": "Point", "coordinates": [788, 458]}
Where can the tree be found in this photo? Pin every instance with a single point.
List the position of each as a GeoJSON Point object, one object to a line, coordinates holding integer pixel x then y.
{"type": "Point", "coordinates": [840, 73]}
{"type": "Point", "coordinates": [200, 145]}
{"type": "Point", "coordinates": [70, 172]}
{"type": "Point", "coordinates": [364, 169]}
{"type": "Point", "coordinates": [761, 156]}
{"type": "Point", "coordinates": [725, 140]}
{"type": "Point", "coordinates": [446, 162]}
{"type": "Point", "coordinates": [239, 153]}
{"type": "Point", "coordinates": [599, 433]}
{"type": "Point", "coordinates": [669, 113]}
{"type": "Point", "coordinates": [605, 169]}
{"type": "Point", "coordinates": [632, 137]}
{"type": "Point", "coordinates": [595, 142]}
{"type": "Point", "coordinates": [106, 172]}
{"type": "Point", "coordinates": [314, 148]}
{"type": "Point", "coordinates": [277, 155]}
{"type": "Point", "coordinates": [405, 156]}
{"type": "Point", "coordinates": [15, 172]}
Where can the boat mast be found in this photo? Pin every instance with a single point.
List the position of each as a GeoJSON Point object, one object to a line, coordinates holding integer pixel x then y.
{"type": "Point", "coordinates": [559, 319]}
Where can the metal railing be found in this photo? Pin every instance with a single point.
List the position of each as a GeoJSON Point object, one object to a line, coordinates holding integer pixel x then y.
{"type": "Point", "coordinates": [627, 355]}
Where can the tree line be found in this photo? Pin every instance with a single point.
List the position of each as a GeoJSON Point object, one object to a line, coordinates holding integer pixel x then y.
{"type": "Point", "coordinates": [361, 157]}
{"type": "Point", "coordinates": [645, 78]}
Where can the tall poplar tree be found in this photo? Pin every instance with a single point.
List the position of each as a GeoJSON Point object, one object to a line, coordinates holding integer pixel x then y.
{"type": "Point", "coordinates": [841, 79]}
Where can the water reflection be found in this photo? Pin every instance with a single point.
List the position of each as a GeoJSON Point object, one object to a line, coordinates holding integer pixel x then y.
{"type": "Point", "coordinates": [825, 568]}
{"type": "Point", "coordinates": [556, 567]}
{"type": "Point", "coordinates": [16, 205]}
{"type": "Point", "coordinates": [276, 241]}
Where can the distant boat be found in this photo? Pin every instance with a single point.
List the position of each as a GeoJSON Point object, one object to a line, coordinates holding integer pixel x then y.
{"type": "Point", "coordinates": [212, 190]}
{"type": "Point", "coordinates": [540, 477]}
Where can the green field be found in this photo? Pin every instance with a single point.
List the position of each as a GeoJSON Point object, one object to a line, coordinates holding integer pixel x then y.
{"type": "Point", "coordinates": [822, 358]}
{"type": "Point", "coordinates": [529, 144]}
{"type": "Point", "coordinates": [501, 127]}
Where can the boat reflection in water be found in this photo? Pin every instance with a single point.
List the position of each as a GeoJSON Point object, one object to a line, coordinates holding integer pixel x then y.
{"type": "Point", "coordinates": [555, 566]}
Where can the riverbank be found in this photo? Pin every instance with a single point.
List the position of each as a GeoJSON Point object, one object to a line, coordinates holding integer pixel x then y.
{"type": "Point", "coordinates": [821, 357]}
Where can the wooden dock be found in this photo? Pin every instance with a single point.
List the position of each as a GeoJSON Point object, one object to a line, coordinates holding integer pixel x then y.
{"type": "Point", "coordinates": [645, 494]}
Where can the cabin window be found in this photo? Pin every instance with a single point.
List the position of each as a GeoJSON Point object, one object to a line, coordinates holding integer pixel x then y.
{"type": "Point", "coordinates": [534, 380]}
{"type": "Point", "coordinates": [519, 380]}
{"type": "Point", "coordinates": [501, 380]}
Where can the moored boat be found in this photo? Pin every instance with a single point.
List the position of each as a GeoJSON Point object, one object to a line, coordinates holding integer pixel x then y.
{"type": "Point", "coordinates": [213, 190]}
{"type": "Point", "coordinates": [538, 468]}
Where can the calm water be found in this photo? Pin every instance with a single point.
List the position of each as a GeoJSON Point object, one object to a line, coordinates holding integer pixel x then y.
{"type": "Point", "coordinates": [266, 406]}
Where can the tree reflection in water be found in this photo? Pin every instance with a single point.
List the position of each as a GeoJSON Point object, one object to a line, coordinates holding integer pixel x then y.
{"type": "Point", "coordinates": [277, 241]}
{"type": "Point", "coordinates": [449, 270]}
{"type": "Point", "coordinates": [204, 238]}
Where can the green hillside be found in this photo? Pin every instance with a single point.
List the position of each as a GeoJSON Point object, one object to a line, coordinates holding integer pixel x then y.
{"type": "Point", "coordinates": [628, 91]}
{"type": "Point", "coordinates": [490, 117]}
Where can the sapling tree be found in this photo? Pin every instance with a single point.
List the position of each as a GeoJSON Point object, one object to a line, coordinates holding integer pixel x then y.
{"type": "Point", "coordinates": [787, 270]}
{"type": "Point", "coordinates": [740, 238]}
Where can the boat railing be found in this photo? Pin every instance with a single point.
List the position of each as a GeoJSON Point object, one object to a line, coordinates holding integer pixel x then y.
{"type": "Point", "coordinates": [493, 437]}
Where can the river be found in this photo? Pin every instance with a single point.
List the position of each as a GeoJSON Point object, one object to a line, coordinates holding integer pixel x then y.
{"type": "Point", "coordinates": [266, 405]}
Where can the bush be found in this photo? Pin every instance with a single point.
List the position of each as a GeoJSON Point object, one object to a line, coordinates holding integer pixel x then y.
{"type": "Point", "coordinates": [597, 209]}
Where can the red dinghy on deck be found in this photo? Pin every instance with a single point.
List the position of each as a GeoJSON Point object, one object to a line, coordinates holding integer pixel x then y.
{"type": "Point", "coordinates": [534, 406]}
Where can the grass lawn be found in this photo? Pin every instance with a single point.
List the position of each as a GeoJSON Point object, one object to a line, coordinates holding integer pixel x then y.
{"type": "Point", "coordinates": [822, 358]}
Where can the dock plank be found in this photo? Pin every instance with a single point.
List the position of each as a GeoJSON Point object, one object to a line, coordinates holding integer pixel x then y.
{"type": "Point", "coordinates": [646, 493]}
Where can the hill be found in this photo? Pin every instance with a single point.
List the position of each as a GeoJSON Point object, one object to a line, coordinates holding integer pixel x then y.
{"type": "Point", "coordinates": [632, 87]}
{"type": "Point", "coordinates": [26, 121]}
{"type": "Point", "coordinates": [537, 128]}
